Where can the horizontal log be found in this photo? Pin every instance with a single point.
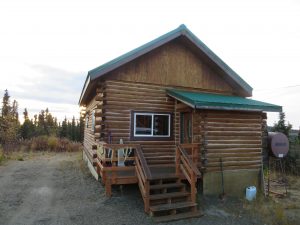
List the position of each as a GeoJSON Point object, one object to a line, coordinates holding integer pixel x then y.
{"type": "Point", "coordinates": [228, 146]}
{"type": "Point", "coordinates": [234, 159]}
{"type": "Point", "coordinates": [232, 154]}
{"type": "Point", "coordinates": [234, 163]}
{"type": "Point", "coordinates": [134, 86]}
{"type": "Point", "coordinates": [223, 150]}
{"type": "Point", "coordinates": [258, 142]}
{"type": "Point", "coordinates": [149, 108]}
{"type": "Point", "coordinates": [233, 133]}
{"type": "Point", "coordinates": [227, 120]}
{"type": "Point", "coordinates": [233, 116]}
{"type": "Point", "coordinates": [247, 167]}
{"type": "Point", "coordinates": [243, 129]}
{"type": "Point", "coordinates": [139, 98]}
{"type": "Point", "coordinates": [228, 124]}
{"type": "Point", "coordinates": [236, 137]}
{"type": "Point", "coordinates": [140, 104]}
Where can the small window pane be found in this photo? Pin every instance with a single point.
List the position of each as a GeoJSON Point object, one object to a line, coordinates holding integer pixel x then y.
{"type": "Point", "coordinates": [161, 125]}
{"type": "Point", "coordinates": [143, 124]}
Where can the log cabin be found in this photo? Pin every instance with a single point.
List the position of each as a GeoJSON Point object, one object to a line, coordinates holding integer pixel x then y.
{"type": "Point", "coordinates": [173, 118]}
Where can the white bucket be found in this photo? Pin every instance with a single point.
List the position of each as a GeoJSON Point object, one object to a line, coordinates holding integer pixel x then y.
{"type": "Point", "coordinates": [250, 193]}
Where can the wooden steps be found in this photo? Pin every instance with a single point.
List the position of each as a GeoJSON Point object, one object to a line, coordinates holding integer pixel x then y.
{"type": "Point", "coordinates": [168, 196]}
{"type": "Point", "coordinates": [169, 200]}
{"type": "Point", "coordinates": [170, 206]}
{"type": "Point", "coordinates": [171, 185]}
{"type": "Point", "coordinates": [180, 216]}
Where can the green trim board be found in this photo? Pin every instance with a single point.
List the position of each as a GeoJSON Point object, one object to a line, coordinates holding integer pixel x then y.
{"type": "Point", "coordinates": [199, 100]}
{"type": "Point", "coordinates": [181, 31]}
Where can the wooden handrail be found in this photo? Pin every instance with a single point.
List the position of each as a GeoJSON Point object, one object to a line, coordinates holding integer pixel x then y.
{"type": "Point", "coordinates": [144, 176]}
{"type": "Point", "coordinates": [190, 162]}
{"type": "Point", "coordinates": [186, 166]}
{"type": "Point", "coordinates": [144, 164]}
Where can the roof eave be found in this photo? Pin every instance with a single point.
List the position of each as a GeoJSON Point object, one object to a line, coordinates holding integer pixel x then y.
{"type": "Point", "coordinates": [86, 83]}
{"type": "Point", "coordinates": [233, 75]}
{"type": "Point", "coordinates": [123, 59]}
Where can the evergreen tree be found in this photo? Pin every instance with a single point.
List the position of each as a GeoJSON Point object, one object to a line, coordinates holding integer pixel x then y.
{"type": "Point", "coordinates": [73, 129]}
{"type": "Point", "coordinates": [281, 126]}
{"type": "Point", "coordinates": [81, 129]}
{"type": "Point", "coordinates": [6, 108]}
{"type": "Point", "coordinates": [63, 129]}
{"type": "Point", "coordinates": [27, 129]}
{"type": "Point", "coordinates": [9, 124]}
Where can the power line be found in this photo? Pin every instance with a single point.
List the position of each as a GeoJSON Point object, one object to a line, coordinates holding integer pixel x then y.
{"type": "Point", "coordinates": [276, 88]}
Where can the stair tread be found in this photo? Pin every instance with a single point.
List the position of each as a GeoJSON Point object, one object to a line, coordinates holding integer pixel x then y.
{"type": "Point", "coordinates": [159, 157]}
{"type": "Point", "coordinates": [164, 176]}
{"type": "Point", "coordinates": [168, 195]}
{"type": "Point", "coordinates": [170, 185]}
{"type": "Point", "coordinates": [177, 216]}
{"type": "Point", "coordinates": [169, 206]}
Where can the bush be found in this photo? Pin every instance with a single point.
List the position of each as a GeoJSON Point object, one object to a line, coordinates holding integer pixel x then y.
{"type": "Point", "coordinates": [42, 143]}
{"type": "Point", "coordinates": [2, 157]}
{"type": "Point", "coordinates": [53, 143]}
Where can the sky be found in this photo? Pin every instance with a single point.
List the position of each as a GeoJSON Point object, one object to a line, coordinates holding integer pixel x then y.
{"type": "Point", "coordinates": [48, 46]}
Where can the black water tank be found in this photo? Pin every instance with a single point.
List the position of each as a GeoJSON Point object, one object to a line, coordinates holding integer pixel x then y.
{"type": "Point", "coordinates": [278, 144]}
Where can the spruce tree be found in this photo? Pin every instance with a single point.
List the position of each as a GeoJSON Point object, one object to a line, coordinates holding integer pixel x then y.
{"type": "Point", "coordinates": [6, 108]}
{"type": "Point", "coordinates": [281, 126]}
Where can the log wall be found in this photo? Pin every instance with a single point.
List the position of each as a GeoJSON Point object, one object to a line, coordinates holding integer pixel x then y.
{"type": "Point", "coordinates": [236, 137]}
{"type": "Point", "coordinates": [120, 99]}
{"type": "Point", "coordinates": [89, 141]}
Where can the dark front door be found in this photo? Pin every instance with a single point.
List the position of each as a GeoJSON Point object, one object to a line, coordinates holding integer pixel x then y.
{"type": "Point", "coordinates": [186, 127]}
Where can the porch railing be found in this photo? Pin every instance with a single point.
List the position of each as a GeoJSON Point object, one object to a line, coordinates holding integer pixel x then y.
{"type": "Point", "coordinates": [144, 176]}
{"type": "Point", "coordinates": [187, 165]}
{"type": "Point", "coordinates": [108, 163]}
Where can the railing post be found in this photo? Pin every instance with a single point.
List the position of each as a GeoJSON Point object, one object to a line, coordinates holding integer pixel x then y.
{"type": "Point", "coordinates": [147, 197]}
{"type": "Point", "coordinates": [193, 188]}
{"type": "Point", "coordinates": [177, 160]}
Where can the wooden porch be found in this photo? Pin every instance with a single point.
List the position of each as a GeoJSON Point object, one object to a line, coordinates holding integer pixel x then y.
{"type": "Point", "coordinates": [168, 190]}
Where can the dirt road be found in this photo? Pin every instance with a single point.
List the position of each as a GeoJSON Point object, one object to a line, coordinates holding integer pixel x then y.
{"type": "Point", "coordinates": [58, 189]}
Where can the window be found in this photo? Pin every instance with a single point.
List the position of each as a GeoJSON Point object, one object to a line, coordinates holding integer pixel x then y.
{"type": "Point", "coordinates": [87, 120]}
{"type": "Point", "coordinates": [93, 120]}
{"type": "Point", "coordinates": [151, 124]}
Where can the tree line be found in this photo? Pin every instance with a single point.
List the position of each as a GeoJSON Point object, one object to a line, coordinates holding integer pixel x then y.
{"type": "Point", "coordinates": [41, 124]}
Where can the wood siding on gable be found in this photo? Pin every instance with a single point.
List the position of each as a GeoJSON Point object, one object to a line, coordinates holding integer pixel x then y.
{"type": "Point", "coordinates": [172, 65]}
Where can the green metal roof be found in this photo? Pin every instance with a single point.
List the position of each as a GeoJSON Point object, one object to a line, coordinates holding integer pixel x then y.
{"type": "Point", "coordinates": [182, 30]}
{"type": "Point", "coordinates": [201, 100]}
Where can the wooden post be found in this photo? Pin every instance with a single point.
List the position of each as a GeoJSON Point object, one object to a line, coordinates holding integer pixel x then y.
{"type": "Point", "coordinates": [193, 188]}
{"type": "Point", "coordinates": [147, 196]}
{"type": "Point", "coordinates": [108, 187]}
{"type": "Point", "coordinates": [177, 162]}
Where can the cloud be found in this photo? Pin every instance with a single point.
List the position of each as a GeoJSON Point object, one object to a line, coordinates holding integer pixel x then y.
{"type": "Point", "coordinates": [50, 84]}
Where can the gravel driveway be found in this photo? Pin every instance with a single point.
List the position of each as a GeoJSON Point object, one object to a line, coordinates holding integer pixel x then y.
{"type": "Point", "coordinates": [58, 189]}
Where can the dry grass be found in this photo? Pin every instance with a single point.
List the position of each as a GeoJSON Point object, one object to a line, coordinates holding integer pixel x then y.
{"type": "Point", "coordinates": [269, 211]}
{"type": "Point", "coordinates": [24, 149]}
{"type": "Point", "coordinates": [2, 156]}
{"type": "Point", "coordinates": [43, 143]}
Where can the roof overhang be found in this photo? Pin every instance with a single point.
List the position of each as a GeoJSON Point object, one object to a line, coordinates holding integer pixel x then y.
{"type": "Point", "coordinates": [199, 100]}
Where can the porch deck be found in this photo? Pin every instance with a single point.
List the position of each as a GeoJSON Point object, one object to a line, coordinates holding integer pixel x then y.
{"type": "Point", "coordinates": [161, 188]}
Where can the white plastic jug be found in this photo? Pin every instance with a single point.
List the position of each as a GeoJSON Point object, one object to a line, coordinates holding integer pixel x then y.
{"type": "Point", "coordinates": [250, 193]}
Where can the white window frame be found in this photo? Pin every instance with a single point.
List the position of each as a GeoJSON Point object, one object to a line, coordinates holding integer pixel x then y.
{"type": "Point", "coordinates": [152, 124]}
